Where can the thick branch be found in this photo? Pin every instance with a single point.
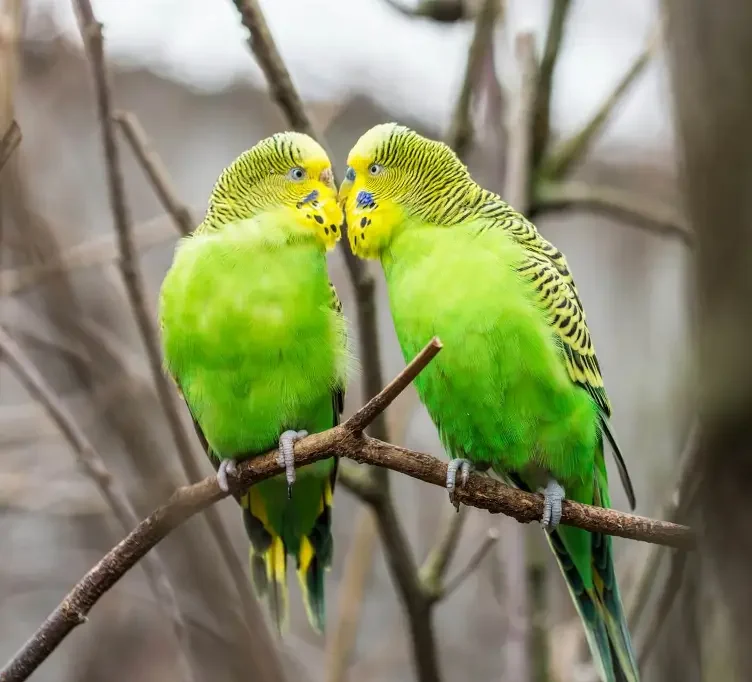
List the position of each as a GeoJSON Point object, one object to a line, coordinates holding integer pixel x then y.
{"type": "Point", "coordinates": [183, 504]}
{"type": "Point", "coordinates": [155, 170]}
{"type": "Point", "coordinates": [617, 203]}
{"type": "Point", "coordinates": [11, 140]}
{"type": "Point", "coordinates": [569, 152]}
{"type": "Point", "coordinates": [481, 492]}
{"type": "Point", "coordinates": [554, 38]}
{"type": "Point", "coordinates": [461, 129]}
{"type": "Point", "coordinates": [519, 169]}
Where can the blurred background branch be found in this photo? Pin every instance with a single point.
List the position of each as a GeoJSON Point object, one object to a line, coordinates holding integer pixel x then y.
{"type": "Point", "coordinates": [11, 139]}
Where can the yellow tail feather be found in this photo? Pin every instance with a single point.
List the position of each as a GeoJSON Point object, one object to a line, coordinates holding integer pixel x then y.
{"type": "Point", "coordinates": [268, 559]}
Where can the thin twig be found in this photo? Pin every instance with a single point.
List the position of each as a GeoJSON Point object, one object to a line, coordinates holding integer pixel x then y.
{"type": "Point", "coordinates": [567, 153]}
{"type": "Point", "coordinates": [617, 203]}
{"type": "Point", "coordinates": [435, 565]}
{"type": "Point", "coordinates": [491, 538]}
{"type": "Point", "coordinates": [345, 440]}
{"type": "Point", "coordinates": [11, 140]}
{"type": "Point", "coordinates": [100, 250]}
{"type": "Point", "coordinates": [554, 38]}
{"type": "Point", "coordinates": [683, 499]}
{"type": "Point", "coordinates": [94, 467]}
{"type": "Point", "coordinates": [155, 170]}
{"type": "Point", "coordinates": [461, 129]}
{"type": "Point", "coordinates": [91, 32]}
{"type": "Point", "coordinates": [640, 594]}
{"type": "Point", "coordinates": [350, 598]}
{"type": "Point", "coordinates": [378, 403]}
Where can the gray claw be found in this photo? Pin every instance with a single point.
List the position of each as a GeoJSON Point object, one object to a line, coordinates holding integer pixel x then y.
{"type": "Point", "coordinates": [465, 466]}
{"type": "Point", "coordinates": [226, 466]}
{"type": "Point", "coordinates": [553, 496]}
{"type": "Point", "coordinates": [286, 456]}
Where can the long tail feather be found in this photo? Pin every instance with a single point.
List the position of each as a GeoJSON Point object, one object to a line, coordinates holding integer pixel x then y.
{"type": "Point", "coordinates": [599, 606]}
{"type": "Point", "coordinates": [315, 557]}
{"type": "Point", "coordinates": [268, 558]}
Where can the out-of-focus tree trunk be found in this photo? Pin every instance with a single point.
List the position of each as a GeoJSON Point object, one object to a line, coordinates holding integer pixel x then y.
{"type": "Point", "coordinates": [710, 46]}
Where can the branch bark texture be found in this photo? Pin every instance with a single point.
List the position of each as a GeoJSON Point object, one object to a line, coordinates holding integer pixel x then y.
{"type": "Point", "coordinates": [346, 440]}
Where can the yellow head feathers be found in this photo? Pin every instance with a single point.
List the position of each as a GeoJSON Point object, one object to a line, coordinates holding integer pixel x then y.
{"type": "Point", "coordinates": [394, 173]}
{"type": "Point", "coordinates": [287, 173]}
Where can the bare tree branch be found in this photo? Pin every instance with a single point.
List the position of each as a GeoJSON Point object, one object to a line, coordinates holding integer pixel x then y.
{"type": "Point", "coordinates": [346, 440]}
{"type": "Point", "coordinates": [492, 537]}
{"type": "Point", "coordinates": [94, 467]}
{"type": "Point", "coordinates": [155, 170]}
{"type": "Point", "coordinates": [567, 153]}
{"type": "Point", "coordinates": [277, 76]}
{"type": "Point", "coordinates": [100, 250]}
{"type": "Point", "coordinates": [680, 498]}
{"type": "Point", "coordinates": [461, 129]}
{"type": "Point", "coordinates": [512, 554]}
{"type": "Point", "coordinates": [11, 140]}
{"type": "Point", "coordinates": [542, 117]}
{"type": "Point", "coordinates": [91, 33]}
{"type": "Point", "coordinates": [184, 503]}
{"type": "Point", "coordinates": [519, 170]}
{"type": "Point", "coordinates": [621, 204]}
{"type": "Point", "coordinates": [350, 600]}
{"type": "Point", "coordinates": [435, 566]}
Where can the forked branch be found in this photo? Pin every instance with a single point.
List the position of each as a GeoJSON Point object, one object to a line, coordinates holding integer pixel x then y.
{"type": "Point", "coordinates": [346, 440]}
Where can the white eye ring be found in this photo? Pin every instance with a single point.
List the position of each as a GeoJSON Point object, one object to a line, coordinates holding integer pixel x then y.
{"type": "Point", "coordinates": [296, 174]}
{"type": "Point", "coordinates": [375, 169]}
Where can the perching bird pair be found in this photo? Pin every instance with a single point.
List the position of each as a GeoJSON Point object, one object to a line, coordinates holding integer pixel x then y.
{"type": "Point", "coordinates": [254, 336]}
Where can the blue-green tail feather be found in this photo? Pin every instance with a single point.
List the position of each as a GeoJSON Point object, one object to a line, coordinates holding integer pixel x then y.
{"type": "Point", "coordinates": [599, 604]}
{"type": "Point", "coordinates": [600, 609]}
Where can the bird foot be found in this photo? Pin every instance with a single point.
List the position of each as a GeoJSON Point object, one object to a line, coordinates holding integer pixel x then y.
{"type": "Point", "coordinates": [553, 496]}
{"type": "Point", "coordinates": [226, 466]}
{"type": "Point", "coordinates": [465, 466]}
{"type": "Point", "coordinates": [286, 456]}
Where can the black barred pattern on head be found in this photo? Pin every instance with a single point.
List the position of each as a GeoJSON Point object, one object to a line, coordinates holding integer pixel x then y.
{"type": "Point", "coordinates": [257, 179]}
{"type": "Point", "coordinates": [428, 178]}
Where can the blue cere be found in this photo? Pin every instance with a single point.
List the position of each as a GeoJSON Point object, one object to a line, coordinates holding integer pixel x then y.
{"type": "Point", "coordinates": [364, 199]}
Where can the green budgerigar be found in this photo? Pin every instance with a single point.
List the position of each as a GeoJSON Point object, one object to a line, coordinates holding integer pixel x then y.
{"type": "Point", "coordinates": [254, 337]}
{"type": "Point", "coordinates": [517, 390]}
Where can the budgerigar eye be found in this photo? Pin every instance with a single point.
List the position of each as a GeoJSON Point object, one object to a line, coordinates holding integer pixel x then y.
{"type": "Point", "coordinates": [296, 174]}
{"type": "Point", "coordinates": [375, 168]}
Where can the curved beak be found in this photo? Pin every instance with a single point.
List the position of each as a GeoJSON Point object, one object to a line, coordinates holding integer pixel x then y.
{"type": "Point", "coordinates": [345, 187]}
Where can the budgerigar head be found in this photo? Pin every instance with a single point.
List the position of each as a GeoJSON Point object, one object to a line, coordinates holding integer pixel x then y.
{"type": "Point", "coordinates": [289, 173]}
{"type": "Point", "coordinates": [392, 174]}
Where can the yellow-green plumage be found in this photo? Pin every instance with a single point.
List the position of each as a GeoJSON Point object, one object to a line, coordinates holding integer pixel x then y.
{"type": "Point", "coordinates": [517, 389]}
{"type": "Point", "coordinates": [254, 337]}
